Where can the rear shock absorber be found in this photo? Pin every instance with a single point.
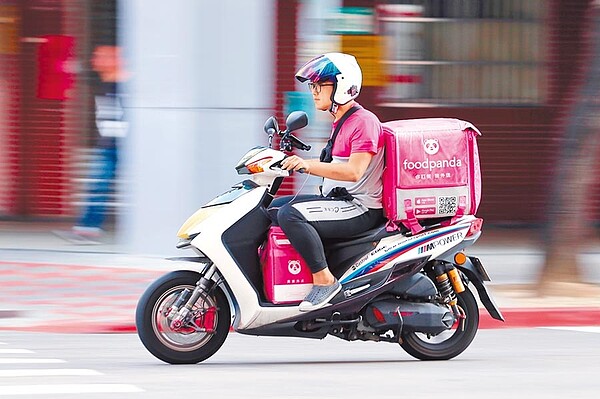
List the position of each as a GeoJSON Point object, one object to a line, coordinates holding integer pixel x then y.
{"type": "Point", "coordinates": [449, 283]}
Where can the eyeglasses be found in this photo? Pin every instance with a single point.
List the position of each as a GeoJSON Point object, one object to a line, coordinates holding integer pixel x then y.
{"type": "Point", "coordinates": [316, 87]}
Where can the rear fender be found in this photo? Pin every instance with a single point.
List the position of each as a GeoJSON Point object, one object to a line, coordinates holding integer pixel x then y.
{"type": "Point", "coordinates": [475, 272]}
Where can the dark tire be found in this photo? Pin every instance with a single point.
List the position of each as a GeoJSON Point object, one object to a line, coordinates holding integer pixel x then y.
{"type": "Point", "coordinates": [450, 343]}
{"type": "Point", "coordinates": [184, 345]}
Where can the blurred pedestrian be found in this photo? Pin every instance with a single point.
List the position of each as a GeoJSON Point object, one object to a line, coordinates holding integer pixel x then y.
{"type": "Point", "coordinates": [110, 126]}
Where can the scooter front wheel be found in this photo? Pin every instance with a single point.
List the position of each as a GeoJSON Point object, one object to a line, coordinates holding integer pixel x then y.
{"type": "Point", "coordinates": [194, 340]}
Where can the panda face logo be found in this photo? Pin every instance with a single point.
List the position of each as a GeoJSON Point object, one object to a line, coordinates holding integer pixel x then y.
{"type": "Point", "coordinates": [294, 267]}
{"type": "Point", "coordinates": [432, 146]}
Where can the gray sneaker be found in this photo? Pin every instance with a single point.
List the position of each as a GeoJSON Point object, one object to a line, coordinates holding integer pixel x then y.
{"type": "Point", "coordinates": [319, 296]}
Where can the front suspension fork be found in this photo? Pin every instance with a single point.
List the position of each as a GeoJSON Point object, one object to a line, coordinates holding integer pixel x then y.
{"type": "Point", "coordinates": [205, 284]}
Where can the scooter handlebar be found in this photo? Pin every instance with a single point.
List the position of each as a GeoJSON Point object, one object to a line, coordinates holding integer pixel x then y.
{"type": "Point", "coordinates": [288, 140]}
{"type": "Point", "coordinates": [278, 164]}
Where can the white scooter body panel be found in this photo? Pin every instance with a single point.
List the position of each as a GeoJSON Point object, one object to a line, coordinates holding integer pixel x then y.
{"type": "Point", "coordinates": [210, 242]}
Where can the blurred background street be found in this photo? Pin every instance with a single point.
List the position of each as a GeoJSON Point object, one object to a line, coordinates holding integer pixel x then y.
{"type": "Point", "coordinates": [119, 118]}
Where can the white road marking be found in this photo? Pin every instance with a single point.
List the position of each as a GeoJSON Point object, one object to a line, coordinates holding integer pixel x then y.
{"type": "Point", "coordinates": [67, 388]}
{"type": "Point", "coordinates": [47, 372]}
{"type": "Point", "coordinates": [53, 389]}
{"type": "Point", "coordinates": [29, 361]}
{"type": "Point", "coordinates": [595, 329]}
{"type": "Point", "coordinates": [13, 351]}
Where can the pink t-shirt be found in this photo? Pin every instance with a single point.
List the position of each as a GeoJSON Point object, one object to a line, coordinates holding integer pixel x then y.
{"type": "Point", "coordinates": [361, 132]}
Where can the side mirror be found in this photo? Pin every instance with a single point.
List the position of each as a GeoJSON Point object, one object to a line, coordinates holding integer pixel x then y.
{"type": "Point", "coordinates": [271, 126]}
{"type": "Point", "coordinates": [296, 120]}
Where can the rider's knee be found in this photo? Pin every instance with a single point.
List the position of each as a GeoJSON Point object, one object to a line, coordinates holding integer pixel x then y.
{"type": "Point", "coordinates": [288, 214]}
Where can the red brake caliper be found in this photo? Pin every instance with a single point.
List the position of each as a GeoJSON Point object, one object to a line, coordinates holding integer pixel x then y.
{"type": "Point", "coordinates": [207, 320]}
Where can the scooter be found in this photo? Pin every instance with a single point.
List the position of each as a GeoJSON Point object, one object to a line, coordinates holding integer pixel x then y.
{"type": "Point", "coordinates": [396, 287]}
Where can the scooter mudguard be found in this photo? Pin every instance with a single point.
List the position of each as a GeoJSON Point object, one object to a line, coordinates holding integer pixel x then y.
{"type": "Point", "coordinates": [476, 273]}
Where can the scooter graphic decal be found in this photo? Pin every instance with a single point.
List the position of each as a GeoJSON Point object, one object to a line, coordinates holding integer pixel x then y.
{"type": "Point", "coordinates": [382, 261]}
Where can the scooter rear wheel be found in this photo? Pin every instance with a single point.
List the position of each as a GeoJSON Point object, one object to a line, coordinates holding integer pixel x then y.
{"type": "Point", "coordinates": [450, 343]}
{"type": "Point", "coordinates": [184, 344]}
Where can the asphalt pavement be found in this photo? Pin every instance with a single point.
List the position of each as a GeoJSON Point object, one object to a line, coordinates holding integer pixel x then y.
{"type": "Point", "coordinates": [555, 363]}
{"type": "Point", "coordinates": [52, 285]}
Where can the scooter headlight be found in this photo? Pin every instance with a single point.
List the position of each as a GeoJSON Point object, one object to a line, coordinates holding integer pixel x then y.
{"type": "Point", "coordinates": [200, 216]}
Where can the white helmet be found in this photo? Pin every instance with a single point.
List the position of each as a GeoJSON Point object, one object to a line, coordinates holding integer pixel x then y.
{"type": "Point", "coordinates": [339, 68]}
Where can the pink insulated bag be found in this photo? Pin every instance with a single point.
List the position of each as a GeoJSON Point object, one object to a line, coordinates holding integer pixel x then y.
{"type": "Point", "coordinates": [432, 170]}
{"type": "Point", "coordinates": [286, 276]}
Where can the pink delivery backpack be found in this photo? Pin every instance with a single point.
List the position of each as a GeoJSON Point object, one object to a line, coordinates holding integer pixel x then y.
{"type": "Point", "coordinates": [286, 276]}
{"type": "Point", "coordinates": [432, 171]}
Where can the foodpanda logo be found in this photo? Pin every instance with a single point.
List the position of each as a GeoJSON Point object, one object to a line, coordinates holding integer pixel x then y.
{"type": "Point", "coordinates": [294, 267]}
{"type": "Point", "coordinates": [431, 165]}
{"type": "Point", "coordinates": [432, 146]}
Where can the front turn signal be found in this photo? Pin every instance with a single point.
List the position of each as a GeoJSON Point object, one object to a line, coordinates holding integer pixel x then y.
{"type": "Point", "coordinates": [257, 166]}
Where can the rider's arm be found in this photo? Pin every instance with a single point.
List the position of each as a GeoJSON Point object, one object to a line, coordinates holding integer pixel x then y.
{"type": "Point", "coordinates": [352, 170]}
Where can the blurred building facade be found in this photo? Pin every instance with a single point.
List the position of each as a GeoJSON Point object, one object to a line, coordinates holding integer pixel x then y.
{"type": "Point", "coordinates": [46, 123]}
{"type": "Point", "coordinates": [512, 68]}
{"type": "Point", "coordinates": [205, 76]}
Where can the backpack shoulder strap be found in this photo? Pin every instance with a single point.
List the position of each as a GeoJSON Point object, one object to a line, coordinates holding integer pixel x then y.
{"type": "Point", "coordinates": [341, 122]}
{"type": "Point", "coordinates": [326, 153]}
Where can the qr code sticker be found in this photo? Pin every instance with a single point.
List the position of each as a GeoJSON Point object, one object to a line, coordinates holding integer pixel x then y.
{"type": "Point", "coordinates": [447, 205]}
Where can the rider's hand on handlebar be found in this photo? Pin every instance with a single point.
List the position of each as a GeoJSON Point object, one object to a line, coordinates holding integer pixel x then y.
{"type": "Point", "coordinates": [296, 163]}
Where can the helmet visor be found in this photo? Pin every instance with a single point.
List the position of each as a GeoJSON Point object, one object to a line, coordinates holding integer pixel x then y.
{"type": "Point", "coordinates": [318, 70]}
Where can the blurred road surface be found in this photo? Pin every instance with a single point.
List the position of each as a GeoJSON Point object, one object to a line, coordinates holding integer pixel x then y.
{"type": "Point", "coordinates": [517, 363]}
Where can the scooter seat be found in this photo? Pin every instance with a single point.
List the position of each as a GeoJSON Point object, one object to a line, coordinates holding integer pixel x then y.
{"type": "Point", "coordinates": [374, 235]}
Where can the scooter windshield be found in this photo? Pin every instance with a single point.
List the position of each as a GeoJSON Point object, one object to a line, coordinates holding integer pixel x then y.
{"type": "Point", "coordinates": [236, 192]}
